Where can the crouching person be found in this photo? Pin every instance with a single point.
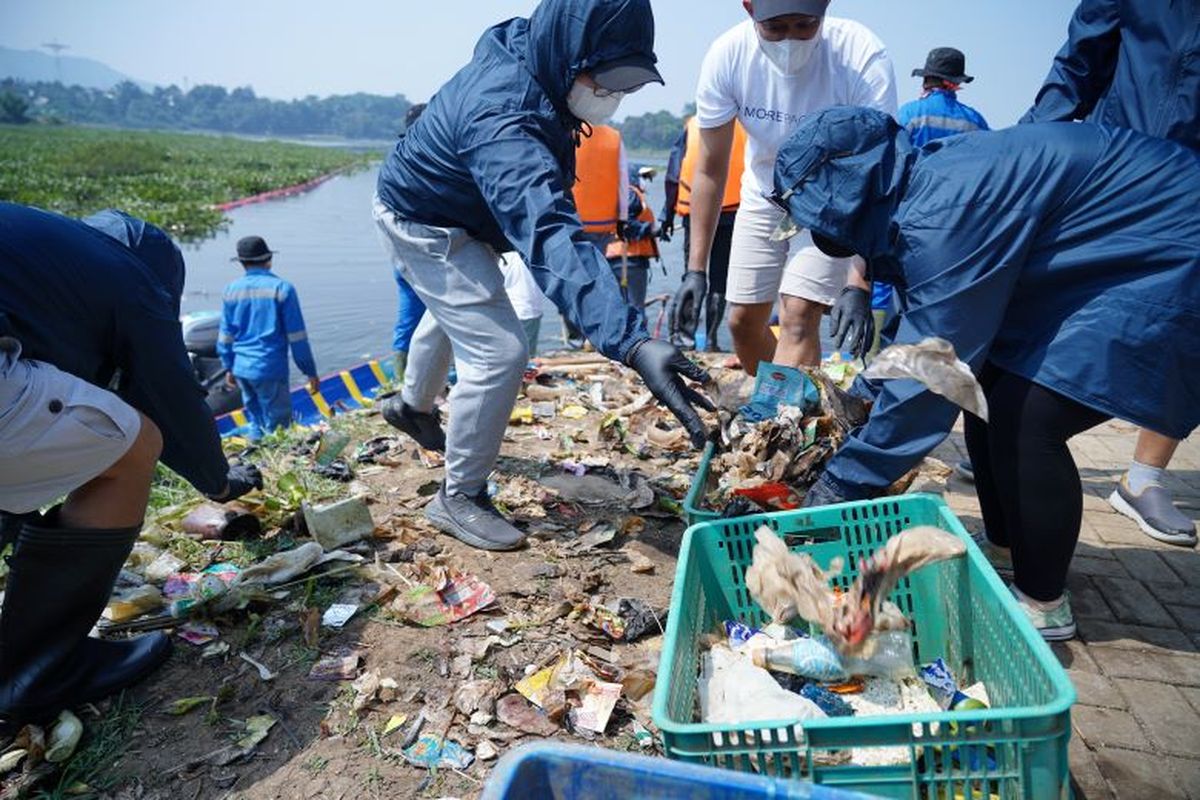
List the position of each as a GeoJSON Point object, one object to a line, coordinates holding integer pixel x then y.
{"type": "Point", "coordinates": [95, 389]}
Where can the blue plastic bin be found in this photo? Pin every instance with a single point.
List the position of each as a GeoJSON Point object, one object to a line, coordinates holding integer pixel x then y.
{"type": "Point", "coordinates": [549, 771]}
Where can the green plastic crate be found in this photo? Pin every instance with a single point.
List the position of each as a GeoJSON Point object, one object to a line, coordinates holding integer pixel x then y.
{"type": "Point", "coordinates": [695, 496]}
{"type": "Point", "coordinates": [960, 611]}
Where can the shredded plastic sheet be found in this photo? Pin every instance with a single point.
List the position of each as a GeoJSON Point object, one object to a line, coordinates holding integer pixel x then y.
{"type": "Point", "coordinates": [933, 363]}
{"type": "Point", "coordinates": [789, 585]}
{"type": "Point", "coordinates": [733, 690]}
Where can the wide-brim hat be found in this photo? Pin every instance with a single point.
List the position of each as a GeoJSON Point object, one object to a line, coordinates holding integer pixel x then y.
{"type": "Point", "coordinates": [947, 63]}
{"type": "Point", "coordinates": [626, 74]}
{"type": "Point", "coordinates": [253, 250]}
{"type": "Point", "coordinates": [768, 9]}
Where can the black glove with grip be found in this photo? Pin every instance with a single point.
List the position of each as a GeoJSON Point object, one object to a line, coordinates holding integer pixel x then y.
{"type": "Point", "coordinates": [850, 322]}
{"type": "Point", "coordinates": [661, 366]}
{"type": "Point", "coordinates": [666, 229]}
{"type": "Point", "coordinates": [241, 479]}
{"type": "Point", "coordinates": [689, 302]}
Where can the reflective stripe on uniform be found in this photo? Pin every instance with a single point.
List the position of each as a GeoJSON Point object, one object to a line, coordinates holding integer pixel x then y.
{"type": "Point", "coordinates": [942, 122]}
{"type": "Point", "coordinates": [298, 336]}
{"type": "Point", "coordinates": [250, 294]}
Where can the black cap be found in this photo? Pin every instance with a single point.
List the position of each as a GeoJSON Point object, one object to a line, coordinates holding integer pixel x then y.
{"type": "Point", "coordinates": [252, 250]}
{"type": "Point", "coordinates": [768, 9]}
{"type": "Point", "coordinates": [626, 74]}
{"type": "Point", "coordinates": [946, 63]}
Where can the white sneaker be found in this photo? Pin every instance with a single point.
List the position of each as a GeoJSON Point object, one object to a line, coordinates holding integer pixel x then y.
{"type": "Point", "coordinates": [1056, 624]}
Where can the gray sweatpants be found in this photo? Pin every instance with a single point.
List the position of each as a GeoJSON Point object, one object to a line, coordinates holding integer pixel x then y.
{"type": "Point", "coordinates": [471, 322]}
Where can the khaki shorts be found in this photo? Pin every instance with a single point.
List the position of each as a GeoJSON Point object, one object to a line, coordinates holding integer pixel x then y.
{"type": "Point", "coordinates": [57, 432]}
{"type": "Point", "coordinates": [760, 270]}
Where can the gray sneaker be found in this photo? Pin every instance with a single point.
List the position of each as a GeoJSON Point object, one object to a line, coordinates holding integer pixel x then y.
{"type": "Point", "coordinates": [965, 470]}
{"type": "Point", "coordinates": [425, 428]}
{"type": "Point", "coordinates": [1154, 513]}
{"type": "Point", "coordinates": [473, 520]}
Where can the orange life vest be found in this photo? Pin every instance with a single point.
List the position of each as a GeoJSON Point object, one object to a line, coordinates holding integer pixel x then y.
{"type": "Point", "coordinates": [641, 248]}
{"type": "Point", "coordinates": [687, 170]}
{"type": "Point", "coordinates": [598, 180]}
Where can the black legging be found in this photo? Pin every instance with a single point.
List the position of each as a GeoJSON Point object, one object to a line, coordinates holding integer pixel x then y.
{"type": "Point", "coordinates": [1026, 479]}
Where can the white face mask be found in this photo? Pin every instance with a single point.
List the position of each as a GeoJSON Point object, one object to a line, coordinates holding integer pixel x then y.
{"type": "Point", "coordinates": [590, 107]}
{"type": "Point", "coordinates": [789, 55]}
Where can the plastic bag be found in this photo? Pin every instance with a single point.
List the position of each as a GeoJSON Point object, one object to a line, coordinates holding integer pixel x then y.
{"type": "Point", "coordinates": [734, 691]}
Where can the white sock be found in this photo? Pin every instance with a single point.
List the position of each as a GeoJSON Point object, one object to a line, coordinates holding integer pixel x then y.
{"type": "Point", "coordinates": [1140, 476]}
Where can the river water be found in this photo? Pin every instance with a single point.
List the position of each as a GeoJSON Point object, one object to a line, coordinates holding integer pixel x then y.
{"type": "Point", "coordinates": [328, 248]}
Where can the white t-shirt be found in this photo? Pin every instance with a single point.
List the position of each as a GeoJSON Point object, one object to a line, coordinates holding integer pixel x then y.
{"type": "Point", "coordinates": [522, 290]}
{"type": "Point", "coordinates": [850, 67]}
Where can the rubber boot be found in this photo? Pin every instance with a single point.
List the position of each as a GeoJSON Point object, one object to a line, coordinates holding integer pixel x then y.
{"type": "Point", "coordinates": [58, 584]}
{"type": "Point", "coordinates": [714, 315]}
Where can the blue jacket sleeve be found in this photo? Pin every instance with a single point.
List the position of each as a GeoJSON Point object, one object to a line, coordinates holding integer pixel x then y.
{"type": "Point", "coordinates": [1084, 67]}
{"type": "Point", "coordinates": [671, 179]}
{"type": "Point", "coordinates": [157, 379]}
{"type": "Point", "coordinates": [226, 337]}
{"type": "Point", "coordinates": [961, 276]}
{"type": "Point", "coordinates": [523, 187]}
{"type": "Point", "coordinates": [293, 324]}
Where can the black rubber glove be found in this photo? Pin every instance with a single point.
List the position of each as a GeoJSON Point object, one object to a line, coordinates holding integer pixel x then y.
{"type": "Point", "coordinates": [823, 493]}
{"type": "Point", "coordinates": [666, 229]}
{"type": "Point", "coordinates": [241, 478]}
{"type": "Point", "coordinates": [661, 366]}
{"type": "Point", "coordinates": [689, 303]}
{"type": "Point", "coordinates": [621, 230]}
{"type": "Point", "coordinates": [850, 323]}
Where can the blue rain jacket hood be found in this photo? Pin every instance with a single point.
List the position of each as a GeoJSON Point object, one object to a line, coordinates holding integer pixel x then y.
{"type": "Point", "coordinates": [1066, 253]}
{"type": "Point", "coordinates": [494, 154]}
{"type": "Point", "coordinates": [88, 303]}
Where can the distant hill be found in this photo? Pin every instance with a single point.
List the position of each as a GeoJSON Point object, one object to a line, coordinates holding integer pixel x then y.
{"type": "Point", "coordinates": [33, 66]}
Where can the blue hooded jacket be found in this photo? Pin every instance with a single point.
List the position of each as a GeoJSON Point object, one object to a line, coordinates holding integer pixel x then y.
{"type": "Point", "coordinates": [1131, 64]}
{"type": "Point", "coordinates": [1068, 254]}
{"type": "Point", "coordinates": [102, 302]}
{"type": "Point", "coordinates": [494, 153]}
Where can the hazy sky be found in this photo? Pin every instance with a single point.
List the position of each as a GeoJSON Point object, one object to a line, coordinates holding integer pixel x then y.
{"type": "Point", "coordinates": [291, 49]}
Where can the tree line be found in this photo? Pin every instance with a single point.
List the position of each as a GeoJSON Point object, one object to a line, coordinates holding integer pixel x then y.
{"type": "Point", "coordinates": [241, 111]}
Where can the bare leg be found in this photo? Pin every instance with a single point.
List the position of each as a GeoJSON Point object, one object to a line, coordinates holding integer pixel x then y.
{"type": "Point", "coordinates": [117, 497]}
{"type": "Point", "coordinates": [800, 332]}
{"type": "Point", "coordinates": [1154, 449]}
{"type": "Point", "coordinates": [752, 338]}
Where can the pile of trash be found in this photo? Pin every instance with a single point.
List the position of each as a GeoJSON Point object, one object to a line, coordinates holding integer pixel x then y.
{"type": "Point", "coordinates": [777, 432]}
{"type": "Point", "coordinates": [852, 657]}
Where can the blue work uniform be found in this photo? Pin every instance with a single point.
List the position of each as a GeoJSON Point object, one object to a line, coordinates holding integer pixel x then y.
{"type": "Point", "coordinates": [259, 320]}
{"type": "Point", "coordinates": [1066, 254]}
{"type": "Point", "coordinates": [494, 154]}
{"type": "Point", "coordinates": [937, 114]}
{"type": "Point", "coordinates": [408, 314]}
{"type": "Point", "coordinates": [1131, 65]}
{"type": "Point", "coordinates": [101, 301]}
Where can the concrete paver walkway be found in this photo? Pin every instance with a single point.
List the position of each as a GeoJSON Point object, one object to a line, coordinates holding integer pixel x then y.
{"type": "Point", "coordinates": [1136, 662]}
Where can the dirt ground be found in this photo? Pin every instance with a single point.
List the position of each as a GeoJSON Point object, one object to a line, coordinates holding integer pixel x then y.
{"type": "Point", "coordinates": [319, 745]}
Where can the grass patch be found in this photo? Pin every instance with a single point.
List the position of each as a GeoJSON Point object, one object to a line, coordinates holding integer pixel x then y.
{"type": "Point", "coordinates": [94, 764]}
{"type": "Point", "coordinates": [170, 179]}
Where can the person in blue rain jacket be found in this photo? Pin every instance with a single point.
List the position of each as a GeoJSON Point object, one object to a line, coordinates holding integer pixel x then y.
{"type": "Point", "coordinates": [260, 319]}
{"type": "Point", "coordinates": [488, 169]}
{"type": "Point", "coordinates": [1132, 65]}
{"type": "Point", "coordinates": [1062, 262]}
{"type": "Point", "coordinates": [95, 389]}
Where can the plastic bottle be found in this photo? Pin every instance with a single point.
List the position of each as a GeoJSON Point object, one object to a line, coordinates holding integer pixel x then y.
{"type": "Point", "coordinates": [812, 658]}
